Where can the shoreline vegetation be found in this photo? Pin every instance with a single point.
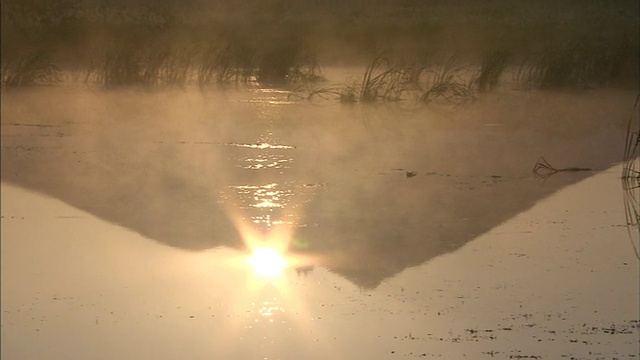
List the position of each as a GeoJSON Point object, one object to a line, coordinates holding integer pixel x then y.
{"type": "Point", "coordinates": [426, 51]}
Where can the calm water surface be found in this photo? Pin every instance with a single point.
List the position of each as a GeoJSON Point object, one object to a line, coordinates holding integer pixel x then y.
{"type": "Point", "coordinates": [128, 218]}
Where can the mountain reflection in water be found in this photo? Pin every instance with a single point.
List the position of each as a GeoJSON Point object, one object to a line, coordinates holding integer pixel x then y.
{"type": "Point", "coordinates": [364, 191]}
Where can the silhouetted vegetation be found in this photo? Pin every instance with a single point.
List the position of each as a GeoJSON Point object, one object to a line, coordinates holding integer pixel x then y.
{"type": "Point", "coordinates": [493, 66]}
{"type": "Point", "coordinates": [128, 65]}
{"type": "Point", "coordinates": [577, 63]}
{"type": "Point", "coordinates": [446, 83]}
{"type": "Point", "coordinates": [631, 177]}
{"type": "Point", "coordinates": [546, 44]}
{"type": "Point", "coordinates": [631, 167]}
{"type": "Point", "coordinates": [385, 81]}
{"type": "Point", "coordinates": [30, 69]}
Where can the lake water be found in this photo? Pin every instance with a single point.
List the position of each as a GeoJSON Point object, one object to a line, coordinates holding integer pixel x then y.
{"type": "Point", "coordinates": [410, 231]}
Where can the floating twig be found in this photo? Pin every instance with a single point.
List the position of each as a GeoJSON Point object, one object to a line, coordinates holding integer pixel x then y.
{"type": "Point", "coordinates": [542, 169]}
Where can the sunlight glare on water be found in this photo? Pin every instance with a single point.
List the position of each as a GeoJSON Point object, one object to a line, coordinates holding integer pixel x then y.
{"type": "Point", "coordinates": [264, 196]}
{"type": "Point", "coordinates": [268, 310]}
{"type": "Point", "coordinates": [262, 145]}
{"type": "Point", "coordinates": [267, 262]}
{"type": "Point", "coordinates": [265, 161]}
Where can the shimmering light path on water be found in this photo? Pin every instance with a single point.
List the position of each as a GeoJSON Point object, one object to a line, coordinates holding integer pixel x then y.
{"type": "Point", "coordinates": [554, 281]}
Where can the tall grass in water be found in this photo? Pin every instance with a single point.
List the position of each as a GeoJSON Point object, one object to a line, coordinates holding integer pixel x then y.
{"type": "Point", "coordinates": [380, 82]}
{"type": "Point", "coordinates": [233, 63]}
{"type": "Point", "coordinates": [493, 66]}
{"type": "Point", "coordinates": [242, 61]}
{"type": "Point", "coordinates": [446, 83]}
{"type": "Point", "coordinates": [631, 177]}
{"type": "Point", "coordinates": [35, 68]}
{"type": "Point", "coordinates": [279, 33]}
{"type": "Point", "coordinates": [276, 61]}
{"type": "Point", "coordinates": [124, 65]}
{"type": "Point", "coordinates": [578, 63]}
{"type": "Point", "coordinates": [155, 65]}
{"type": "Point", "coordinates": [631, 167]}
{"type": "Point", "coordinates": [306, 70]}
{"type": "Point", "coordinates": [384, 81]}
{"type": "Point", "coordinates": [285, 60]}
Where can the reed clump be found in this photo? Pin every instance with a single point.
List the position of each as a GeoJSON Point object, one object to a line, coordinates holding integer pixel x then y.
{"type": "Point", "coordinates": [382, 81]}
{"type": "Point", "coordinates": [387, 81]}
{"type": "Point", "coordinates": [493, 65]}
{"type": "Point", "coordinates": [551, 44]}
{"type": "Point", "coordinates": [305, 70]}
{"type": "Point", "coordinates": [232, 64]}
{"type": "Point", "coordinates": [631, 157]}
{"type": "Point", "coordinates": [31, 69]}
{"type": "Point", "coordinates": [126, 65]}
{"type": "Point", "coordinates": [631, 177]}
{"type": "Point", "coordinates": [245, 61]}
{"type": "Point", "coordinates": [159, 65]}
{"type": "Point", "coordinates": [446, 83]}
{"type": "Point", "coordinates": [578, 63]}
{"type": "Point", "coordinates": [284, 56]}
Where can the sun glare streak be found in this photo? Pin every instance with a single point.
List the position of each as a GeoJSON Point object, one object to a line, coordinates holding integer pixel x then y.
{"type": "Point", "coordinates": [268, 235]}
{"type": "Point", "coordinates": [267, 262]}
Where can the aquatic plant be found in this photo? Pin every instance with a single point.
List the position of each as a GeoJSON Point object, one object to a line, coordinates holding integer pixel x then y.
{"type": "Point", "coordinates": [384, 81]}
{"type": "Point", "coordinates": [275, 43]}
{"type": "Point", "coordinates": [231, 64]}
{"type": "Point", "coordinates": [631, 177]}
{"type": "Point", "coordinates": [284, 58]}
{"type": "Point", "coordinates": [631, 198]}
{"type": "Point", "coordinates": [276, 61]}
{"type": "Point", "coordinates": [176, 66]}
{"type": "Point", "coordinates": [493, 65]}
{"type": "Point", "coordinates": [309, 91]}
{"type": "Point", "coordinates": [36, 68]}
{"type": "Point", "coordinates": [349, 93]}
{"type": "Point", "coordinates": [124, 65]}
{"type": "Point", "coordinates": [306, 70]}
{"type": "Point", "coordinates": [381, 81]}
{"type": "Point", "coordinates": [445, 83]}
{"type": "Point", "coordinates": [576, 63]}
{"type": "Point", "coordinates": [631, 157]}
{"type": "Point", "coordinates": [246, 61]}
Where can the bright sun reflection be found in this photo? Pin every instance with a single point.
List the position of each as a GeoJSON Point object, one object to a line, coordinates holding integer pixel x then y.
{"type": "Point", "coordinates": [267, 262]}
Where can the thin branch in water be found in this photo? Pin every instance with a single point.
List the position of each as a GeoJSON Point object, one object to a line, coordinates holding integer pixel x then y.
{"type": "Point", "coordinates": [542, 169]}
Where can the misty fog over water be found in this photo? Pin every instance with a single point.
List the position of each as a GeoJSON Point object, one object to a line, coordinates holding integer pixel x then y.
{"type": "Point", "coordinates": [374, 184]}
{"type": "Point", "coordinates": [444, 173]}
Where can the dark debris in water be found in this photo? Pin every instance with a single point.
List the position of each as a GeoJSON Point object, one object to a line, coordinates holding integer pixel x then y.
{"type": "Point", "coordinates": [542, 169]}
{"type": "Point", "coordinates": [519, 356]}
{"type": "Point", "coordinates": [589, 336]}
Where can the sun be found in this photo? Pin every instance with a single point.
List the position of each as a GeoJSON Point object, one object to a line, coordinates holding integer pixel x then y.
{"type": "Point", "coordinates": [267, 262]}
